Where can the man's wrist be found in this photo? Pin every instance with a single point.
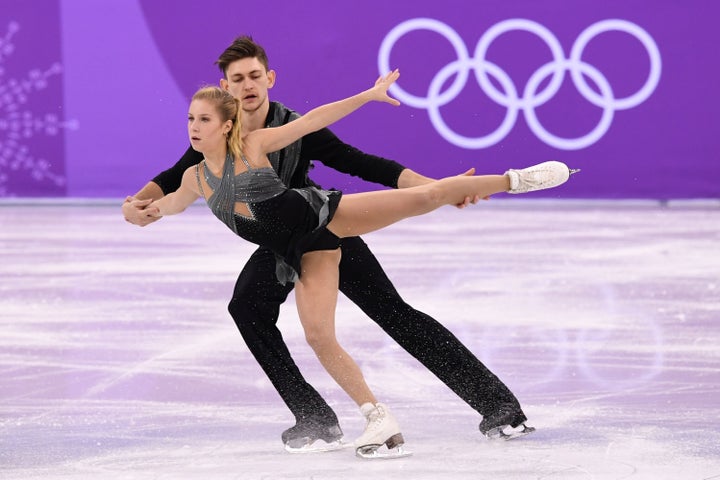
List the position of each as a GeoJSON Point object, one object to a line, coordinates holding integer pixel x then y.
{"type": "Point", "coordinates": [409, 178]}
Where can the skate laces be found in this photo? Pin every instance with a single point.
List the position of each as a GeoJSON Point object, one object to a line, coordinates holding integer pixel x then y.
{"type": "Point", "coordinates": [535, 177]}
{"type": "Point", "coordinates": [525, 180]}
{"type": "Point", "coordinates": [375, 416]}
{"type": "Point", "coordinates": [538, 177]}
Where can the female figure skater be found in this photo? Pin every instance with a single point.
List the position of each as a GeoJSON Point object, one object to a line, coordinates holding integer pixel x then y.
{"type": "Point", "coordinates": [304, 226]}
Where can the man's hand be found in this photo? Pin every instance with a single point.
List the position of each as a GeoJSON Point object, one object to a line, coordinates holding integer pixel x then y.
{"type": "Point", "coordinates": [135, 212]}
{"type": "Point", "coordinates": [409, 178]}
{"type": "Point", "coordinates": [469, 200]}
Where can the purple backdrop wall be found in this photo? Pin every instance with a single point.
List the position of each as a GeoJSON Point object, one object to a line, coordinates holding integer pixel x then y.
{"type": "Point", "coordinates": [93, 95]}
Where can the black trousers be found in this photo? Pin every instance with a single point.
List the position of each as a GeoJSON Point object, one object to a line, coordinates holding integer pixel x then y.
{"type": "Point", "coordinates": [255, 307]}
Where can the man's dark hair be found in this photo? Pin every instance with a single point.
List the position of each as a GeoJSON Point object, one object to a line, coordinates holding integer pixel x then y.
{"type": "Point", "coordinates": [242, 47]}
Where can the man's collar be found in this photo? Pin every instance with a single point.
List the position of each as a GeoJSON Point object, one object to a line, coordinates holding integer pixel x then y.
{"type": "Point", "coordinates": [271, 113]}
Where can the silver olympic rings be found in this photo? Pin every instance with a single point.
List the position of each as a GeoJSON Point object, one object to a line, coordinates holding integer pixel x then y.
{"type": "Point", "coordinates": [531, 97]}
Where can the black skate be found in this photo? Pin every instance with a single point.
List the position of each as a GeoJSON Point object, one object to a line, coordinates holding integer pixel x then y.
{"type": "Point", "coordinates": [506, 423]}
{"type": "Point", "coordinates": [311, 435]}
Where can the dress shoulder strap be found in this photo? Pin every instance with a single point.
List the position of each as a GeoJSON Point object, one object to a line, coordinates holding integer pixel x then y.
{"type": "Point", "coordinates": [244, 160]}
{"type": "Point", "coordinates": [197, 176]}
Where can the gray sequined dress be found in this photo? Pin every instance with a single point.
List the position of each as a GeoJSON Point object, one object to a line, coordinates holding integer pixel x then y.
{"type": "Point", "coordinates": [290, 222]}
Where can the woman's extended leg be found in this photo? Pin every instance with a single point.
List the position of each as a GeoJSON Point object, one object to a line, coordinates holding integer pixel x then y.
{"type": "Point", "coordinates": [366, 212]}
{"type": "Point", "coordinates": [362, 213]}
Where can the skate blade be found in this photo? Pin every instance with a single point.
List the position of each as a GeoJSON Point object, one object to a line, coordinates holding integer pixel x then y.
{"type": "Point", "coordinates": [506, 432]}
{"type": "Point", "coordinates": [318, 446]}
{"type": "Point", "coordinates": [373, 452]}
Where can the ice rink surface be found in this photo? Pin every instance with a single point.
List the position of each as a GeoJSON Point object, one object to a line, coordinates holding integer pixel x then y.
{"type": "Point", "coordinates": [118, 359]}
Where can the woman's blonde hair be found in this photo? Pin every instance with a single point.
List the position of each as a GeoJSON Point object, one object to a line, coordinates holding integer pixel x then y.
{"type": "Point", "coordinates": [229, 109]}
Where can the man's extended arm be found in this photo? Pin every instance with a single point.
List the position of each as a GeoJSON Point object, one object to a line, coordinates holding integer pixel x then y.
{"type": "Point", "coordinates": [327, 148]}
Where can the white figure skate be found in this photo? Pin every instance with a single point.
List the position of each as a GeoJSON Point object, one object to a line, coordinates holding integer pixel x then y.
{"type": "Point", "coordinates": [381, 429]}
{"type": "Point", "coordinates": [539, 177]}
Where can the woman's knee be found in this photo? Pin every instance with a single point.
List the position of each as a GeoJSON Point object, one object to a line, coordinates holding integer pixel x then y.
{"type": "Point", "coordinates": [318, 263]}
{"type": "Point", "coordinates": [320, 339]}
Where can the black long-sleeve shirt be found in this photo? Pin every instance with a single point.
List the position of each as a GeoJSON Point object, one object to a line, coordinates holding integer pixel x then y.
{"type": "Point", "coordinates": [322, 145]}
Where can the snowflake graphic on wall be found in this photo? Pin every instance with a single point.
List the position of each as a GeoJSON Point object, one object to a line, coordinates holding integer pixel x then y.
{"type": "Point", "coordinates": [19, 125]}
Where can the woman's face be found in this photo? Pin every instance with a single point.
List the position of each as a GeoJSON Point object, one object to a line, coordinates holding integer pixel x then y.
{"type": "Point", "coordinates": [206, 129]}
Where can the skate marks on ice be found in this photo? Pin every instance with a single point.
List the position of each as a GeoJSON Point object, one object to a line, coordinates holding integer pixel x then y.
{"type": "Point", "coordinates": [118, 358]}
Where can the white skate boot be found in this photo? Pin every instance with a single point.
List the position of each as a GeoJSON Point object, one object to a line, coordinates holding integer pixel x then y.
{"type": "Point", "coordinates": [539, 177]}
{"type": "Point", "coordinates": [381, 428]}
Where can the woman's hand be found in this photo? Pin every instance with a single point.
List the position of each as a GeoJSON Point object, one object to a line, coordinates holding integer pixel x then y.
{"type": "Point", "coordinates": [379, 91]}
{"type": "Point", "coordinates": [138, 212]}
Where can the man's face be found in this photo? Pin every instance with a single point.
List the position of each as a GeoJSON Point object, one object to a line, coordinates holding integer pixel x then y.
{"type": "Point", "coordinates": [249, 82]}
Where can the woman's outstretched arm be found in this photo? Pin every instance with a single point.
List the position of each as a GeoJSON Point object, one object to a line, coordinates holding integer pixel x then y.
{"type": "Point", "coordinates": [180, 199]}
{"type": "Point", "coordinates": [273, 139]}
